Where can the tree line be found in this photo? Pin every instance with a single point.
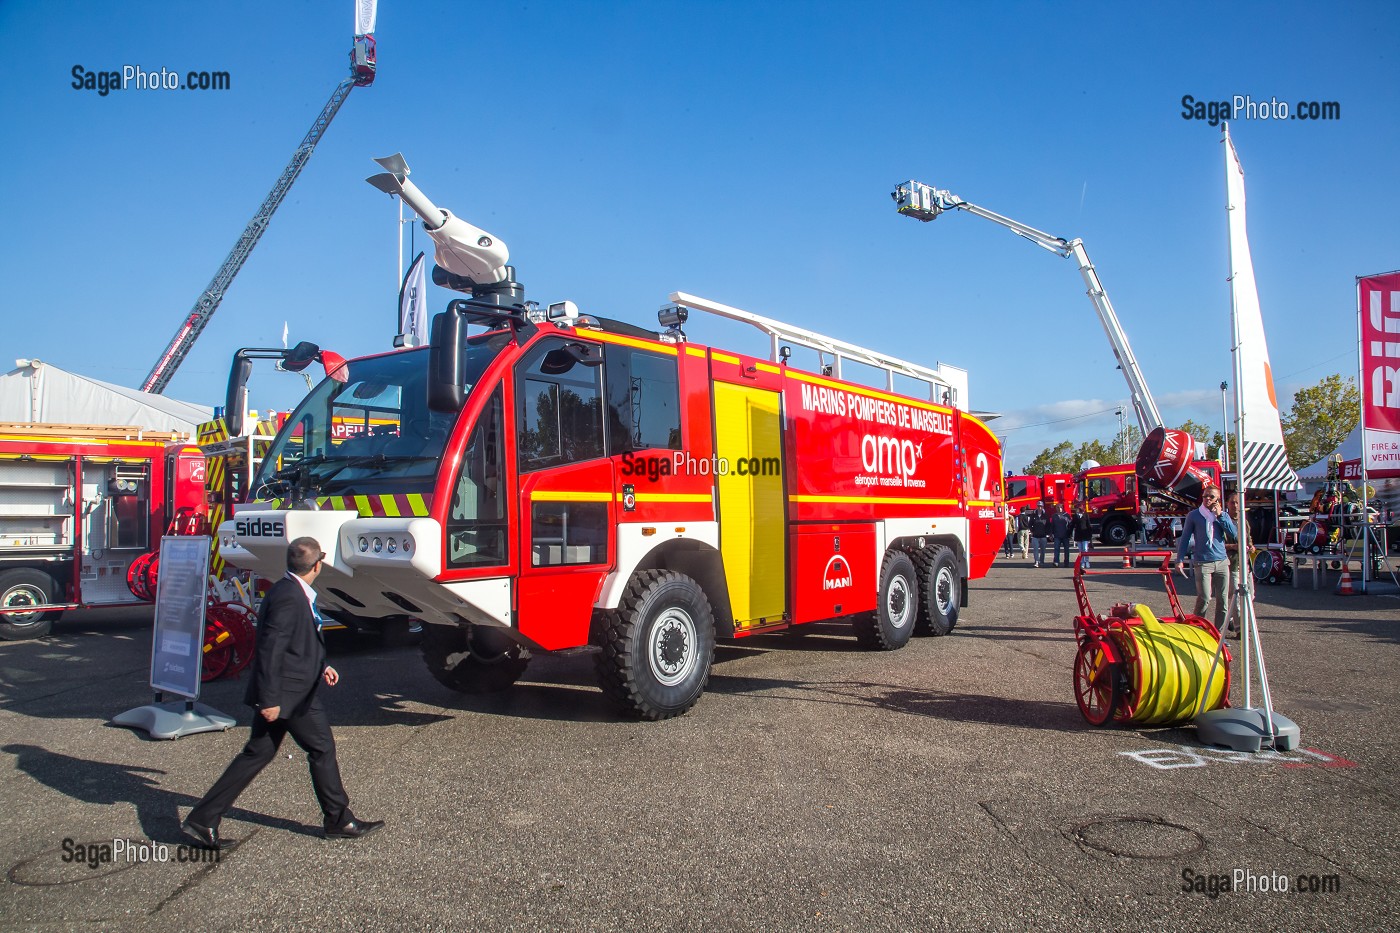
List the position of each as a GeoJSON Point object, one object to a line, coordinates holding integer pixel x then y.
{"type": "Point", "coordinates": [1322, 416]}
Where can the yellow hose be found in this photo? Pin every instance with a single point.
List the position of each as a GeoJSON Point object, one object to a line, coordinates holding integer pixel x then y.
{"type": "Point", "coordinates": [1173, 663]}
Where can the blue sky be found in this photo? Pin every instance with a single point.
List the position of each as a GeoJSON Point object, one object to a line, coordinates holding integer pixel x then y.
{"type": "Point", "coordinates": [739, 151]}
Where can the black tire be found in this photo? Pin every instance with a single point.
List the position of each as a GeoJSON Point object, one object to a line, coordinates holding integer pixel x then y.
{"type": "Point", "coordinates": [892, 623]}
{"type": "Point", "coordinates": [658, 645]}
{"type": "Point", "coordinates": [25, 586]}
{"type": "Point", "coordinates": [1116, 533]}
{"type": "Point", "coordinates": [939, 591]}
{"type": "Point", "coordinates": [472, 658]}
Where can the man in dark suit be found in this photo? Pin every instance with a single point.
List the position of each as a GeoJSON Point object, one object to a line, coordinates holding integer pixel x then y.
{"type": "Point", "coordinates": [289, 668]}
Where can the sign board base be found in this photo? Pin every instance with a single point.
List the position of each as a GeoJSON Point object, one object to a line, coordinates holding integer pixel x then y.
{"type": "Point", "coordinates": [1245, 730]}
{"type": "Point", "coordinates": [172, 720]}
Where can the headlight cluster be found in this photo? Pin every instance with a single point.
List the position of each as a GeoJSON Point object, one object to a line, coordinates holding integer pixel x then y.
{"type": "Point", "coordinates": [379, 545]}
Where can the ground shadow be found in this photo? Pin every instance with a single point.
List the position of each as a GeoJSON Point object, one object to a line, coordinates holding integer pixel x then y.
{"type": "Point", "coordinates": [107, 783]}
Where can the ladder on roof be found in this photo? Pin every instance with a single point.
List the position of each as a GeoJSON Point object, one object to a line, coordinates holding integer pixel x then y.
{"type": "Point", "coordinates": [947, 384]}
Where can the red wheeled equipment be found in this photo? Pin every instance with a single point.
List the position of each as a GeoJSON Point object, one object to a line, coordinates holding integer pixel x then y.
{"type": "Point", "coordinates": [229, 635]}
{"type": "Point", "coordinates": [1132, 667]}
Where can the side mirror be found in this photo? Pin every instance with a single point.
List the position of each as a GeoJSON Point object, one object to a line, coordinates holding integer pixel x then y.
{"type": "Point", "coordinates": [447, 376]}
{"type": "Point", "coordinates": [300, 356]}
{"type": "Point", "coordinates": [236, 398]}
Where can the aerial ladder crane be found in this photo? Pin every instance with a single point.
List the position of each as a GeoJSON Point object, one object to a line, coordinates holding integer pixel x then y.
{"type": "Point", "coordinates": [362, 68]}
{"type": "Point", "coordinates": [924, 202]}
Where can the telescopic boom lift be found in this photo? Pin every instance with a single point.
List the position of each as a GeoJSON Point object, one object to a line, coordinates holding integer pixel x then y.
{"type": "Point", "coordinates": [362, 67]}
{"type": "Point", "coordinates": [923, 202]}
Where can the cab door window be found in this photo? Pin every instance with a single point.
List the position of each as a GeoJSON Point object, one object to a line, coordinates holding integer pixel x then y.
{"type": "Point", "coordinates": [559, 412]}
{"type": "Point", "coordinates": [477, 521]}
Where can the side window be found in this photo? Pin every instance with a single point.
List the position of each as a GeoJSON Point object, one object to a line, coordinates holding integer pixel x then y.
{"type": "Point", "coordinates": [476, 524]}
{"type": "Point", "coordinates": [568, 533]}
{"type": "Point", "coordinates": [1015, 488]}
{"type": "Point", "coordinates": [644, 401]}
{"type": "Point", "coordinates": [560, 408]}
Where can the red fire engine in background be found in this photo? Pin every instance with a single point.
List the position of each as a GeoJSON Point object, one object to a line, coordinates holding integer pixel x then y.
{"type": "Point", "coordinates": [1119, 503]}
{"type": "Point", "coordinates": [79, 505]}
{"type": "Point", "coordinates": [561, 481]}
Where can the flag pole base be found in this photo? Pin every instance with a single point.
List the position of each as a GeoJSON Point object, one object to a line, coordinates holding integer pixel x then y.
{"type": "Point", "coordinates": [1246, 730]}
{"type": "Point", "coordinates": [172, 720]}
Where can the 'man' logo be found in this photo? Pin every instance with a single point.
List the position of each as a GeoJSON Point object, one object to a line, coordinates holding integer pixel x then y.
{"type": "Point", "coordinates": [837, 575]}
{"type": "Point", "coordinates": [259, 528]}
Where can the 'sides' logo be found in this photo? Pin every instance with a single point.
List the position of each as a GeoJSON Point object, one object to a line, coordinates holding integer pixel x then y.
{"type": "Point", "coordinates": [259, 528]}
{"type": "Point", "coordinates": [837, 575]}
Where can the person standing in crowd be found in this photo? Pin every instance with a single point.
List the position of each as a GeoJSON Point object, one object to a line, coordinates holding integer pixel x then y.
{"type": "Point", "coordinates": [289, 670]}
{"type": "Point", "coordinates": [1205, 531]}
{"type": "Point", "coordinates": [1232, 549]}
{"type": "Point", "coordinates": [1008, 543]}
{"type": "Point", "coordinates": [1040, 527]}
{"type": "Point", "coordinates": [1083, 532]}
{"type": "Point", "coordinates": [1060, 527]}
{"type": "Point", "coordinates": [1023, 530]}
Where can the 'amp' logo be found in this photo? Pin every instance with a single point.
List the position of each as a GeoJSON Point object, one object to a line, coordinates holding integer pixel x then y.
{"type": "Point", "coordinates": [889, 455]}
{"type": "Point", "coordinates": [837, 575]}
{"type": "Point", "coordinates": [259, 528]}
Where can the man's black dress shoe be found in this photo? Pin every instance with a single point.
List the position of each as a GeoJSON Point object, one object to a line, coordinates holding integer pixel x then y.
{"type": "Point", "coordinates": [204, 836]}
{"type": "Point", "coordinates": [354, 829]}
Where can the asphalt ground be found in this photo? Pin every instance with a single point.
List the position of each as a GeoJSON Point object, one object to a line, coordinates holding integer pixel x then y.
{"type": "Point", "coordinates": [951, 785]}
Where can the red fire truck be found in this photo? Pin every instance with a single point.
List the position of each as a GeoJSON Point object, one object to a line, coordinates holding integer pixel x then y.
{"type": "Point", "coordinates": [79, 504]}
{"type": "Point", "coordinates": [1119, 504]}
{"type": "Point", "coordinates": [560, 481]}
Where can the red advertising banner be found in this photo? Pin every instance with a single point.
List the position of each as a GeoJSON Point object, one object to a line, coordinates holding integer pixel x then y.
{"type": "Point", "coordinates": [1379, 300]}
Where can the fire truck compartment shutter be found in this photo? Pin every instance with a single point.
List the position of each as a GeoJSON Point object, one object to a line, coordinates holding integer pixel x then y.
{"type": "Point", "coordinates": [752, 536]}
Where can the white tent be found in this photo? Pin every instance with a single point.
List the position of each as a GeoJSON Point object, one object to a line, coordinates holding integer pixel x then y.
{"type": "Point", "coordinates": [40, 393]}
{"type": "Point", "coordinates": [1349, 449]}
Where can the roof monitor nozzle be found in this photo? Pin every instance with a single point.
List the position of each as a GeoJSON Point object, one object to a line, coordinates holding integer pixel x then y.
{"type": "Point", "coordinates": [671, 317]}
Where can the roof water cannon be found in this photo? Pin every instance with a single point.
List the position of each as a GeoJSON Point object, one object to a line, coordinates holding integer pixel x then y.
{"type": "Point", "coordinates": [1165, 462]}
{"type": "Point", "coordinates": [468, 258]}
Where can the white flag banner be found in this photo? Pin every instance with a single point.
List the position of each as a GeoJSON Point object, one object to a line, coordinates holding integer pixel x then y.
{"type": "Point", "coordinates": [365, 11]}
{"type": "Point", "coordinates": [413, 305]}
{"type": "Point", "coordinates": [1263, 460]}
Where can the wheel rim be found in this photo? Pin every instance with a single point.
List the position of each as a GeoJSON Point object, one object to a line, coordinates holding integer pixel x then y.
{"type": "Point", "coordinates": [671, 647]}
{"type": "Point", "coordinates": [899, 603]}
{"type": "Point", "coordinates": [1093, 684]}
{"type": "Point", "coordinates": [944, 592]}
{"type": "Point", "coordinates": [20, 596]}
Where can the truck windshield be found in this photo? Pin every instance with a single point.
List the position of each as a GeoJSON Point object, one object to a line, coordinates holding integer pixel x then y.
{"type": "Point", "coordinates": [370, 435]}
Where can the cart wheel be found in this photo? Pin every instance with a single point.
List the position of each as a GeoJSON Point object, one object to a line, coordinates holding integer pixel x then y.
{"type": "Point", "coordinates": [1273, 578]}
{"type": "Point", "coordinates": [1095, 683]}
{"type": "Point", "coordinates": [219, 656]}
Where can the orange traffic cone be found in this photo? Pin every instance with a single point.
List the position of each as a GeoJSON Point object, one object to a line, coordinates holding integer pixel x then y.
{"type": "Point", "coordinates": [1127, 559]}
{"type": "Point", "coordinates": [1344, 584]}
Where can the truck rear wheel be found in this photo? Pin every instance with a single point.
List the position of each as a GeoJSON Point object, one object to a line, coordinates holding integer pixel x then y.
{"type": "Point", "coordinates": [896, 609]}
{"type": "Point", "coordinates": [658, 645]}
{"type": "Point", "coordinates": [22, 587]}
{"type": "Point", "coordinates": [1116, 533]}
{"type": "Point", "coordinates": [939, 588]}
{"type": "Point", "coordinates": [472, 658]}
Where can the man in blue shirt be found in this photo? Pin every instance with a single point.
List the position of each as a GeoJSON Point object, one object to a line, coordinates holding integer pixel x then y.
{"type": "Point", "coordinates": [1206, 531]}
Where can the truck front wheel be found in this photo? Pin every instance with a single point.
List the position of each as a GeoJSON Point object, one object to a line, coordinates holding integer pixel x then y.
{"type": "Point", "coordinates": [1116, 533]}
{"type": "Point", "coordinates": [897, 608]}
{"type": "Point", "coordinates": [472, 658]}
{"type": "Point", "coordinates": [658, 645]}
{"type": "Point", "coordinates": [23, 587]}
